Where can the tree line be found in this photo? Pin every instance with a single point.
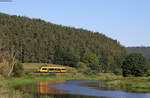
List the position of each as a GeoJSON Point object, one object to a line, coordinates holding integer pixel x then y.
{"type": "Point", "coordinates": [143, 50]}
{"type": "Point", "coordinates": [38, 41]}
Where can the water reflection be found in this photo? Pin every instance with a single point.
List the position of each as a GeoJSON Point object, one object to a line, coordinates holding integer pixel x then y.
{"type": "Point", "coordinates": [101, 85]}
{"type": "Point", "coordinates": [73, 89]}
{"type": "Point", "coordinates": [43, 88]}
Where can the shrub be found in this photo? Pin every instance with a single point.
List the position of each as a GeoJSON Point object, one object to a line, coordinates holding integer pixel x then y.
{"type": "Point", "coordinates": [148, 73]}
{"type": "Point", "coordinates": [72, 70]}
{"type": "Point", "coordinates": [91, 60]}
{"type": "Point", "coordinates": [18, 70]}
{"type": "Point", "coordinates": [117, 71]}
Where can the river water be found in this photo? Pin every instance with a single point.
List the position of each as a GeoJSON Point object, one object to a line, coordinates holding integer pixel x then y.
{"type": "Point", "coordinates": [78, 89]}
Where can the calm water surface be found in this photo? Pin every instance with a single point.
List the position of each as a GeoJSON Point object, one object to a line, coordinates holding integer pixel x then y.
{"type": "Point", "coordinates": [75, 87]}
{"type": "Point", "coordinates": [78, 89]}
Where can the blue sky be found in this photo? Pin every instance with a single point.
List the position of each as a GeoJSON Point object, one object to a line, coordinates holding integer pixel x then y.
{"type": "Point", "coordinates": [128, 21]}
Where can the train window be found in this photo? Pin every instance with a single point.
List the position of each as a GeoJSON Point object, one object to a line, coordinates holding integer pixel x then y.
{"type": "Point", "coordinates": [57, 69]}
{"type": "Point", "coordinates": [44, 68]}
{"type": "Point", "coordinates": [63, 69]}
{"type": "Point", "coordinates": [51, 69]}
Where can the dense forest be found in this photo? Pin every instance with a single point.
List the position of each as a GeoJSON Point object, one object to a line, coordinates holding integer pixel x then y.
{"type": "Point", "coordinates": [143, 50]}
{"type": "Point", "coordinates": [35, 40]}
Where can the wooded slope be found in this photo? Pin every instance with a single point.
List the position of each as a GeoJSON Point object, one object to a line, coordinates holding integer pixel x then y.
{"type": "Point", "coordinates": [37, 40]}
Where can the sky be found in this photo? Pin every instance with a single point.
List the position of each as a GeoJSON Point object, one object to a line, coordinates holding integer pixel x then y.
{"type": "Point", "coordinates": [127, 21]}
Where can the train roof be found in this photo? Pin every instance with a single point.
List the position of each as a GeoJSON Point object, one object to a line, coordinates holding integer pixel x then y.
{"type": "Point", "coordinates": [52, 66]}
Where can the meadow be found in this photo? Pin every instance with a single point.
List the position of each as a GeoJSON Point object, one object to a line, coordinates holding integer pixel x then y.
{"type": "Point", "coordinates": [131, 84]}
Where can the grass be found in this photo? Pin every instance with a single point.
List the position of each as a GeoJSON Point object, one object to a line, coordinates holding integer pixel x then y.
{"type": "Point", "coordinates": [7, 85]}
{"type": "Point", "coordinates": [12, 82]}
{"type": "Point", "coordinates": [131, 84]}
{"type": "Point", "coordinates": [32, 66]}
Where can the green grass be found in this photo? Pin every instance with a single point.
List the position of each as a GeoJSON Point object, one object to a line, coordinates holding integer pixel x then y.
{"type": "Point", "coordinates": [28, 66]}
{"type": "Point", "coordinates": [12, 82]}
{"type": "Point", "coordinates": [131, 84]}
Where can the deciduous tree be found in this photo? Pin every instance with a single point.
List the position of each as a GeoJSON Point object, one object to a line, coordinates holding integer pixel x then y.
{"type": "Point", "coordinates": [134, 64]}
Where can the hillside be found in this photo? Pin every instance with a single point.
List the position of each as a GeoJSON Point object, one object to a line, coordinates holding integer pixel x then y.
{"type": "Point", "coordinates": [144, 50]}
{"type": "Point", "coordinates": [36, 41]}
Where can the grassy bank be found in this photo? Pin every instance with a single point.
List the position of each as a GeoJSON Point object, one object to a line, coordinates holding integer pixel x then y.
{"type": "Point", "coordinates": [131, 84]}
{"type": "Point", "coordinates": [12, 82]}
{"type": "Point", "coordinates": [32, 77]}
{"type": "Point", "coordinates": [7, 86]}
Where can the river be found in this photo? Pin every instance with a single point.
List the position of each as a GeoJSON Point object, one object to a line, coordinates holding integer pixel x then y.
{"type": "Point", "coordinates": [77, 89]}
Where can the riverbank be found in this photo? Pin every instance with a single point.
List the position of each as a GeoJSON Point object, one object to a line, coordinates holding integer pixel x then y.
{"type": "Point", "coordinates": [131, 84]}
{"type": "Point", "coordinates": [114, 82]}
{"type": "Point", "coordinates": [31, 79]}
{"type": "Point", "coordinates": [8, 85]}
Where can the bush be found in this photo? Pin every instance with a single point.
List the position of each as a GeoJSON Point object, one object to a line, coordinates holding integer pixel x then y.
{"type": "Point", "coordinates": [1, 78]}
{"type": "Point", "coordinates": [91, 60]}
{"type": "Point", "coordinates": [117, 71]}
{"type": "Point", "coordinates": [148, 73]}
{"type": "Point", "coordinates": [18, 70]}
{"type": "Point", "coordinates": [72, 70]}
{"type": "Point", "coordinates": [83, 68]}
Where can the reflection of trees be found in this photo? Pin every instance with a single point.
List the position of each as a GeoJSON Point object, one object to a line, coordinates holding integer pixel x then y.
{"type": "Point", "coordinates": [43, 87]}
{"type": "Point", "coordinates": [74, 96]}
{"type": "Point", "coordinates": [102, 85]}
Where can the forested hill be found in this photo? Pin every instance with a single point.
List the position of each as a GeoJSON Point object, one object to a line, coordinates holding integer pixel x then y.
{"type": "Point", "coordinates": [37, 40]}
{"type": "Point", "coordinates": [144, 50]}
